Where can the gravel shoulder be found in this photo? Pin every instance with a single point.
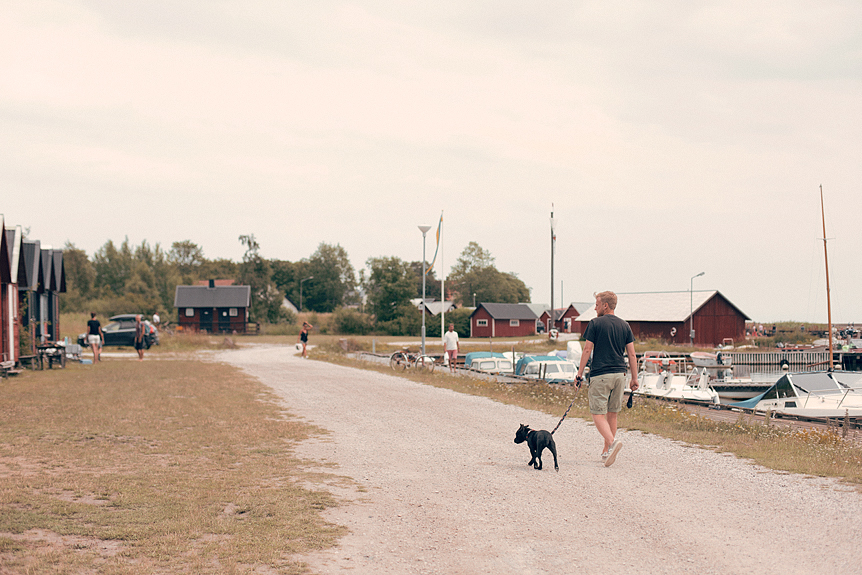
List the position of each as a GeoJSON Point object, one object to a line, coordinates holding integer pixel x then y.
{"type": "Point", "coordinates": [439, 486]}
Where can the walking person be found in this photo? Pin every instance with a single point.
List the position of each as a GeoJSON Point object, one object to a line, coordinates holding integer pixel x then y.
{"type": "Point", "coordinates": [609, 340]}
{"type": "Point", "coordinates": [140, 335]}
{"type": "Point", "coordinates": [95, 336]}
{"type": "Point", "coordinates": [451, 346]}
{"type": "Point", "coordinates": [303, 337]}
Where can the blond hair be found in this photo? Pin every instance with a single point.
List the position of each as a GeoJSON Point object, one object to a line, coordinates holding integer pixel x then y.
{"type": "Point", "coordinates": [607, 297]}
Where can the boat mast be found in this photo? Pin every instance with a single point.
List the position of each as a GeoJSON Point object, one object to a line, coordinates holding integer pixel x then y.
{"type": "Point", "coordinates": [826, 259]}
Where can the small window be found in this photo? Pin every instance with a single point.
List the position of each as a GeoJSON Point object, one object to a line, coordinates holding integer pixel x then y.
{"type": "Point", "coordinates": [481, 323]}
{"type": "Point", "coordinates": [514, 323]}
{"type": "Point", "coordinates": [190, 312]}
{"type": "Point", "coordinates": [233, 312]}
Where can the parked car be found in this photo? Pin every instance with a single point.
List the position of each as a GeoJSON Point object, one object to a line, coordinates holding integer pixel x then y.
{"type": "Point", "coordinates": [120, 331]}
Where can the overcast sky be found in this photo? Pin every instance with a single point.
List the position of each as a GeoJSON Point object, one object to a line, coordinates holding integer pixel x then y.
{"type": "Point", "coordinates": [672, 137]}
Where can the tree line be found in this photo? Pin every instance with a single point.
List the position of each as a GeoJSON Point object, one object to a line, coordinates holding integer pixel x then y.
{"type": "Point", "coordinates": [143, 278]}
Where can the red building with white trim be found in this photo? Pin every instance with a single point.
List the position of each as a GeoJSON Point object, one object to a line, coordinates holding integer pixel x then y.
{"type": "Point", "coordinates": [502, 320]}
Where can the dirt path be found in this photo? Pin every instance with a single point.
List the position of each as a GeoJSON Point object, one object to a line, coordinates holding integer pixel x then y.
{"type": "Point", "coordinates": [443, 489]}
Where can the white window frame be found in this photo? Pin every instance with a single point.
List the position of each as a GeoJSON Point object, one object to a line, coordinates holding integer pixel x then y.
{"type": "Point", "coordinates": [514, 323]}
{"type": "Point", "coordinates": [190, 312]}
{"type": "Point", "coordinates": [481, 323]}
{"type": "Point", "coordinates": [232, 312]}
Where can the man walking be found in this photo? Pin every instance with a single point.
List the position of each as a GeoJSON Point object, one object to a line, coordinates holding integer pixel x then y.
{"type": "Point", "coordinates": [609, 340]}
{"type": "Point", "coordinates": [451, 346]}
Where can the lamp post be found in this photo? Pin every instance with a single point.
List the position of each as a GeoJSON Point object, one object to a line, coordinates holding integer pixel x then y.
{"type": "Point", "coordinates": [424, 230]}
{"type": "Point", "coordinates": [300, 290]}
{"type": "Point", "coordinates": [691, 307]}
{"type": "Point", "coordinates": [474, 300]}
{"type": "Point", "coordinates": [553, 240]}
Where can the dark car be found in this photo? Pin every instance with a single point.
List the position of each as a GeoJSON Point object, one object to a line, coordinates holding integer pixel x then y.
{"type": "Point", "coordinates": [120, 331]}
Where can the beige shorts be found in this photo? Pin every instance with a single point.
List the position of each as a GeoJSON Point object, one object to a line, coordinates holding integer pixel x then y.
{"type": "Point", "coordinates": [94, 339]}
{"type": "Point", "coordinates": [606, 393]}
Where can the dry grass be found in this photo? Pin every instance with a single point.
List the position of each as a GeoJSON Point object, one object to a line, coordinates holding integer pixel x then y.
{"type": "Point", "coordinates": [155, 467]}
{"type": "Point", "coordinates": [812, 452]}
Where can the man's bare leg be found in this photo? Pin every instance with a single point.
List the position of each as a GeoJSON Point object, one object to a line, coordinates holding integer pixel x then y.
{"type": "Point", "coordinates": [603, 425]}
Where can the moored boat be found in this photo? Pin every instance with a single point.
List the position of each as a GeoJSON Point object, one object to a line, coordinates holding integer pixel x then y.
{"type": "Point", "coordinates": [670, 380]}
{"type": "Point", "coordinates": [811, 394]}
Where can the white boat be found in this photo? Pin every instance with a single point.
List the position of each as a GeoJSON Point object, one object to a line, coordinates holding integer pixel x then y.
{"type": "Point", "coordinates": [549, 368]}
{"type": "Point", "coordinates": [737, 388]}
{"type": "Point", "coordinates": [707, 359]}
{"type": "Point", "coordinates": [812, 394]}
{"type": "Point", "coordinates": [489, 362]}
{"type": "Point", "coordinates": [670, 379]}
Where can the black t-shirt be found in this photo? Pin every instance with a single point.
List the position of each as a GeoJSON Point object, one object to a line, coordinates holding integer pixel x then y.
{"type": "Point", "coordinates": [93, 326]}
{"type": "Point", "coordinates": [609, 335]}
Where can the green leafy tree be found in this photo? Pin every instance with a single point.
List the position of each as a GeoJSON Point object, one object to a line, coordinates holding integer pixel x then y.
{"type": "Point", "coordinates": [432, 284]}
{"type": "Point", "coordinates": [187, 259]}
{"type": "Point", "coordinates": [334, 278]}
{"type": "Point", "coordinates": [140, 293]}
{"type": "Point", "coordinates": [286, 276]}
{"type": "Point", "coordinates": [113, 267]}
{"type": "Point", "coordinates": [220, 268]}
{"type": "Point", "coordinates": [474, 273]}
{"type": "Point", "coordinates": [80, 279]}
{"type": "Point", "coordinates": [391, 283]}
{"type": "Point", "coordinates": [256, 272]}
{"type": "Point", "coordinates": [460, 317]}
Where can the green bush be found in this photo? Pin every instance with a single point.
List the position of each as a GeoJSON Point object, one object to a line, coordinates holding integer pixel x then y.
{"type": "Point", "coordinates": [349, 321]}
{"type": "Point", "coordinates": [408, 321]}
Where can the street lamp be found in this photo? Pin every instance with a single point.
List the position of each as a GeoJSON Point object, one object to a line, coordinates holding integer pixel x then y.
{"type": "Point", "coordinates": [300, 290]}
{"type": "Point", "coordinates": [553, 241]}
{"type": "Point", "coordinates": [474, 300]}
{"type": "Point", "coordinates": [691, 307]}
{"type": "Point", "coordinates": [424, 230]}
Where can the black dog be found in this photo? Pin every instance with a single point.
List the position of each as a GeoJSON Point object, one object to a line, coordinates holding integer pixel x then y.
{"type": "Point", "coordinates": [537, 441]}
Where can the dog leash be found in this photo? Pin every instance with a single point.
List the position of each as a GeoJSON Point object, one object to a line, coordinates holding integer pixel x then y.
{"type": "Point", "coordinates": [567, 410]}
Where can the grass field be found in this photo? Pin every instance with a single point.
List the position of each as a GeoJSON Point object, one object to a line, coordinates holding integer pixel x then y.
{"type": "Point", "coordinates": [156, 467]}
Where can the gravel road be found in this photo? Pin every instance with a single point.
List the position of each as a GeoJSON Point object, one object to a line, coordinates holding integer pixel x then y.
{"type": "Point", "coordinates": [440, 487]}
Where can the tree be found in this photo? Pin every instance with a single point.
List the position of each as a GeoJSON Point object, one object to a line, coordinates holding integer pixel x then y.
{"type": "Point", "coordinates": [256, 272]}
{"type": "Point", "coordinates": [460, 317]}
{"type": "Point", "coordinates": [432, 284]}
{"type": "Point", "coordinates": [286, 276]}
{"type": "Point", "coordinates": [389, 288]}
{"type": "Point", "coordinates": [334, 278]}
{"type": "Point", "coordinates": [474, 273]}
{"type": "Point", "coordinates": [113, 268]}
{"type": "Point", "coordinates": [187, 257]}
{"type": "Point", "coordinates": [80, 278]}
{"type": "Point", "coordinates": [139, 293]}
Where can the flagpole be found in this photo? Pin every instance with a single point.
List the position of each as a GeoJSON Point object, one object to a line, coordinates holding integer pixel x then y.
{"type": "Point", "coordinates": [442, 287]}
